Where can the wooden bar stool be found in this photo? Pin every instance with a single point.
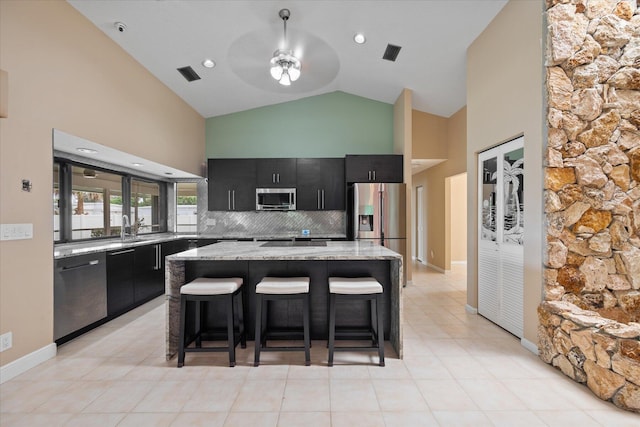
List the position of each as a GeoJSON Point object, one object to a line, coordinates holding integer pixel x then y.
{"type": "Point", "coordinates": [200, 291]}
{"type": "Point", "coordinates": [362, 288]}
{"type": "Point", "coordinates": [281, 288]}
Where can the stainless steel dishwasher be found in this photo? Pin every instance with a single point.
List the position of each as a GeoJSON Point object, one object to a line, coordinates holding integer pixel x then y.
{"type": "Point", "coordinates": [80, 293]}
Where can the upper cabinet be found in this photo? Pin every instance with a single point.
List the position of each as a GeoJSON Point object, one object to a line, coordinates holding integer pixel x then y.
{"type": "Point", "coordinates": [320, 184]}
{"type": "Point", "coordinates": [374, 168]}
{"type": "Point", "coordinates": [278, 173]}
{"type": "Point", "coordinates": [232, 184]}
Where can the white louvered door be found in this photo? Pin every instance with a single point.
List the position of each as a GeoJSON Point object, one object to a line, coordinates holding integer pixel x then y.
{"type": "Point", "coordinates": [500, 235]}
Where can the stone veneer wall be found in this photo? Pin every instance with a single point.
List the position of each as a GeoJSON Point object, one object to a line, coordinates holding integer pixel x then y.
{"type": "Point", "coordinates": [588, 322]}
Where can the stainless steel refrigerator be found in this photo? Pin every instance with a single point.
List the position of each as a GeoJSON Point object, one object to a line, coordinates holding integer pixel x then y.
{"type": "Point", "coordinates": [377, 213]}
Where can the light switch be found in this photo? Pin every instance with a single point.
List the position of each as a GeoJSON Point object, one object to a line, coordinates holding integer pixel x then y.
{"type": "Point", "coordinates": [16, 231]}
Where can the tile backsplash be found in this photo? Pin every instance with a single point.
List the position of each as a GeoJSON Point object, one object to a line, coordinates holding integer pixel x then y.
{"type": "Point", "coordinates": [261, 224]}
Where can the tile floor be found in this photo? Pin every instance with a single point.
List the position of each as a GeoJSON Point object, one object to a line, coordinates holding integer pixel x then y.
{"type": "Point", "coordinates": [459, 370]}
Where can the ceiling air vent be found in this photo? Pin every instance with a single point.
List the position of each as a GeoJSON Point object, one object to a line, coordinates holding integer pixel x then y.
{"type": "Point", "coordinates": [391, 52]}
{"type": "Point", "coordinates": [188, 73]}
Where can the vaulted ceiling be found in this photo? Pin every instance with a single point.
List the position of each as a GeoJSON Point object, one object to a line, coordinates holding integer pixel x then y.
{"type": "Point", "coordinates": [241, 37]}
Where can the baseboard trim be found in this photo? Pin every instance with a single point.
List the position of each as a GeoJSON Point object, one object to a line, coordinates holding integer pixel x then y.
{"type": "Point", "coordinates": [435, 267]}
{"type": "Point", "coordinates": [26, 362]}
{"type": "Point", "coordinates": [459, 262]}
{"type": "Point", "coordinates": [532, 347]}
{"type": "Point", "coordinates": [470, 310]}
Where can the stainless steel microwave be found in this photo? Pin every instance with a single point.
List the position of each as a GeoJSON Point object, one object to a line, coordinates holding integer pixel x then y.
{"type": "Point", "coordinates": [275, 199]}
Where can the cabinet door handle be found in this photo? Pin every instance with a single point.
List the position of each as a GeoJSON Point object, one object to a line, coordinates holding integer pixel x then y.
{"type": "Point", "coordinates": [233, 198]}
{"type": "Point", "coordinates": [369, 175]}
{"type": "Point", "coordinates": [273, 178]}
{"type": "Point", "coordinates": [374, 175]}
{"type": "Point", "coordinates": [121, 252]}
{"type": "Point", "coordinates": [228, 199]}
{"type": "Point", "coordinates": [318, 204]}
{"type": "Point", "coordinates": [157, 263]}
{"type": "Point", "coordinates": [322, 199]}
{"type": "Point", "coordinates": [278, 178]}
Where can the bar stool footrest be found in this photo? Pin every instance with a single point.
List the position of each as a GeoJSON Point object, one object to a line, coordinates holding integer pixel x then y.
{"type": "Point", "coordinates": [288, 348]}
{"type": "Point", "coordinates": [356, 348]}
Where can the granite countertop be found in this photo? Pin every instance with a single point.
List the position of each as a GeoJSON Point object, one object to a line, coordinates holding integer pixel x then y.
{"type": "Point", "coordinates": [64, 250]}
{"type": "Point", "coordinates": [257, 251]}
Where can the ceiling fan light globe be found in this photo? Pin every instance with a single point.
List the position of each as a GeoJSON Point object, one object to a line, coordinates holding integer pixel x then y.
{"type": "Point", "coordinates": [276, 72]}
{"type": "Point", "coordinates": [285, 80]}
{"type": "Point", "coordinates": [294, 73]}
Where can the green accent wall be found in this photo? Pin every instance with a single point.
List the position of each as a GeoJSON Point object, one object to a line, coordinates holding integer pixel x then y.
{"type": "Point", "coordinates": [329, 125]}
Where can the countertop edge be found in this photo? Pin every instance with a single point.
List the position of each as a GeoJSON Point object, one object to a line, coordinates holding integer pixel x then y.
{"type": "Point", "coordinates": [66, 250]}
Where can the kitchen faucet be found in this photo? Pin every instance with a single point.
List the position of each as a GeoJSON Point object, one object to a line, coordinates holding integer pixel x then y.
{"type": "Point", "coordinates": [123, 229]}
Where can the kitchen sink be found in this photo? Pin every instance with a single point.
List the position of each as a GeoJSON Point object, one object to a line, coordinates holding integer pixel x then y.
{"type": "Point", "coordinates": [289, 243]}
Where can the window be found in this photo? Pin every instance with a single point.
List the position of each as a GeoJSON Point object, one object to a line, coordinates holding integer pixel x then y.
{"type": "Point", "coordinates": [89, 202]}
{"type": "Point", "coordinates": [145, 206]}
{"type": "Point", "coordinates": [187, 207]}
{"type": "Point", "coordinates": [96, 203]}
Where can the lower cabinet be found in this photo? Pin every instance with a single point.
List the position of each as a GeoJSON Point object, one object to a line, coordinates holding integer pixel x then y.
{"type": "Point", "coordinates": [91, 289]}
{"type": "Point", "coordinates": [197, 243]}
{"type": "Point", "coordinates": [134, 276]}
{"type": "Point", "coordinates": [120, 281]}
{"type": "Point", "coordinates": [148, 273]}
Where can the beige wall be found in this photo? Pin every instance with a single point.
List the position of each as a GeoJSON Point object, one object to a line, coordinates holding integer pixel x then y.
{"type": "Point", "coordinates": [504, 100]}
{"type": "Point", "coordinates": [457, 217]}
{"type": "Point", "coordinates": [428, 132]}
{"type": "Point", "coordinates": [452, 135]}
{"type": "Point", "coordinates": [64, 73]}
{"type": "Point", "coordinates": [402, 145]}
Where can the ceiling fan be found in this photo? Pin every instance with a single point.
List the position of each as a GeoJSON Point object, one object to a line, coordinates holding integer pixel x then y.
{"type": "Point", "coordinates": [285, 67]}
{"type": "Point", "coordinates": [302, 62]}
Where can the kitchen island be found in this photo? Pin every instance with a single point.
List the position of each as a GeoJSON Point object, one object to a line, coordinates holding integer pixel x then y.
{"type": "Point", "coordinates": [318, 260]}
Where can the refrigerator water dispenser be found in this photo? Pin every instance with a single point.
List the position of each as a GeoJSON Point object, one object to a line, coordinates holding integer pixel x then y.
{"type": "Point", "coordinates": [365, 222]}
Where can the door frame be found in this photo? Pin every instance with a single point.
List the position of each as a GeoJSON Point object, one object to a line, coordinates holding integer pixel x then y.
{"type": "Point", "coordinates": [500, 299]}
{"type": "Point", "coordinates": [421, 235]}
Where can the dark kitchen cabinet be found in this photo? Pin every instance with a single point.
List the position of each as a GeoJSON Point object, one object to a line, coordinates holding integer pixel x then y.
{"type": "Point", "coordinates": [232, 184]}
{"type": "Point", "coordinates": [175, 246]}
{"type": "Point", "coordinates": [149, 272]}
{"type": "Point", "coordinates": [149, 268]}
{"type": "Point", "coordinates": [277, 173]}
{"type": "Point", "coordinates": [120, 281]}
{"type": "Point", "coordinates": [197, 243]}
{"type": "Point", "coordinates": [374, 168]}
{"type": "Point", "coordinates": [320, 184]}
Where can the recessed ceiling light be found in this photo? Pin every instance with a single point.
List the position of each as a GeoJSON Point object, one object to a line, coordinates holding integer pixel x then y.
{"type": "Point", "coordinates": [208, 63]}
{"type": "Point", "coordinates": [87, 150]}
{"type": "Point", "coordinates": [359, 38]}
{"type": "Point", "coordinates": [137, 164]}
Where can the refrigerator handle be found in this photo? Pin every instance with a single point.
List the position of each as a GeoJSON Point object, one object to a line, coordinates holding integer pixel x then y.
{"type": "Point", "coordinates": [355, 202]}
{"type": "Point", "coordinates": [382, 217]}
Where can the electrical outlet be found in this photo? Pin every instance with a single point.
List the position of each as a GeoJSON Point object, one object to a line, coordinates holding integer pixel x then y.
{"type": "Point", "coordinates": [6, 341]}
{"type": "Point", "coordinates": [16, 231]}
